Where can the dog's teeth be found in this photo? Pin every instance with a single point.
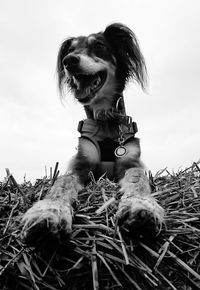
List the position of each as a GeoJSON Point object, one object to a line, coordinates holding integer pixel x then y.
{"type": "Point", "coordinates": [96, 82]}
{"type": "Point", "coordinates": [77, 83]}
{"type": "Point", "coordinates": [74, 80]}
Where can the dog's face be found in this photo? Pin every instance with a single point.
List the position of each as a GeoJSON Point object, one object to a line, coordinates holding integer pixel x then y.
{"type": "Point", "coordinates": [89, 67]}
{"type": "Point", "coordinates": [99, 65]}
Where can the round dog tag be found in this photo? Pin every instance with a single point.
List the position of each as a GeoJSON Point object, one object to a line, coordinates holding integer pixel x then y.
{"type": "Point", "coordinates": [120, 151]}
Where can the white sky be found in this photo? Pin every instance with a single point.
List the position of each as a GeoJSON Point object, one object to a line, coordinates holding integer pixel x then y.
{"type": "Point", "coordinates": [37, 130]}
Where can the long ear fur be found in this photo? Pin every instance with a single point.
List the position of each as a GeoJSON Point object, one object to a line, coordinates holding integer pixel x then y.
{"type": "Point", "coordinates": [126, 49]}
{"type": "Point", "coordinates": [63, 51]}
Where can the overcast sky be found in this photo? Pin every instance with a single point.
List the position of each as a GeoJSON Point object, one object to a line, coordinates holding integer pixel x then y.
{"type": "Point", "coordinates": [36, 130]}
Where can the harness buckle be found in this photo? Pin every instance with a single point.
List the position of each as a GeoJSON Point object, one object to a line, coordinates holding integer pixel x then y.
{"type": "Point", "coordinates": [135, 127]}
{"type": "Point", "coordinates": [80, 126]}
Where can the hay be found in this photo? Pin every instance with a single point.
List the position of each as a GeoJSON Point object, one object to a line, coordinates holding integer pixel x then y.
{"type": "Point", "coordinates": [98, 256]}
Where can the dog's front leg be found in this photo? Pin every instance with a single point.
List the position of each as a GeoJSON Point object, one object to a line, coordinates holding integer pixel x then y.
{"type": "Point", "coordinates": [52, 216]}
{"type": "Point", "coordinates": [138, 211]}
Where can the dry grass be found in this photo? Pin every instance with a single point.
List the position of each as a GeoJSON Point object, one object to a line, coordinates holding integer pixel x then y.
{"type": "Point", "coordinates": [97, 256]}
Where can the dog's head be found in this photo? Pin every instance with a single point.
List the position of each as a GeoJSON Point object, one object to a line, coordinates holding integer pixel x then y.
{"type": "Point", "coordinates": [101, 64]}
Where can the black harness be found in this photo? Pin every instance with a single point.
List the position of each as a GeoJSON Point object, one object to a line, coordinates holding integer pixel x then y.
{"type": "Point", "coordinates": [109, 136]}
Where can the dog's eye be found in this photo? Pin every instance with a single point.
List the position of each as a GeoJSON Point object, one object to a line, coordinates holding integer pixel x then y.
{"type": "Point", "coordinates": [99, 45]}
{"type": "Point", "coordinates": [71, 48]}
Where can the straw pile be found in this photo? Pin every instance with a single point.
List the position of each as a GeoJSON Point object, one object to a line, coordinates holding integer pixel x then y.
{"type": "Point", "coordinates": [97, 256]}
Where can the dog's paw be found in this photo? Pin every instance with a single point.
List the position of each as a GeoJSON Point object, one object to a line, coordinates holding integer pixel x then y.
{"type": "Point", "coordinates": [141, 216]}
{"type": "Point", "coordinates": [46, 219]}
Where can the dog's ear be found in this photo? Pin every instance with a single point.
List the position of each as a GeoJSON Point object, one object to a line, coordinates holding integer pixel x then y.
{"type": "Point", "coordinates": [63, 51]}
{"type": "Point", "coordinates": [129, 58]}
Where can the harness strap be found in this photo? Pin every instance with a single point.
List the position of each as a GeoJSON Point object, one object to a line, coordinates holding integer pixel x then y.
{"type": "Point", "coordinates": [92, 127]}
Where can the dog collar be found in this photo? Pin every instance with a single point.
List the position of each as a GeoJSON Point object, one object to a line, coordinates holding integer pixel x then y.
{"type": "Point", "coordinates": [97, 130]}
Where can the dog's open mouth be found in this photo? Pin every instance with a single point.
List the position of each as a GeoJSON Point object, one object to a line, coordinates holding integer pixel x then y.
{"type": "Point", "coordinates": [86, 85]}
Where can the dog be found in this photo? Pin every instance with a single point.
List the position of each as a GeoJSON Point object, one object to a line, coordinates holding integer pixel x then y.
{"type": "Point", "coordinates": [96, 69]}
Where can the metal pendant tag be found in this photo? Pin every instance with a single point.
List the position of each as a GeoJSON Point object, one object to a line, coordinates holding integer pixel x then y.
{"type": "Point", "coordinates": [120, 151]}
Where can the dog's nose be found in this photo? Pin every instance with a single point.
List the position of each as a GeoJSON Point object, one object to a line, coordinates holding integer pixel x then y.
{"type": "Point", "coordinates": [71, 61]}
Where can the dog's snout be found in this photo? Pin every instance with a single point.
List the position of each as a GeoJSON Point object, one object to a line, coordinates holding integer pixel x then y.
{"type": "Point", "coordinates": [71, 61]}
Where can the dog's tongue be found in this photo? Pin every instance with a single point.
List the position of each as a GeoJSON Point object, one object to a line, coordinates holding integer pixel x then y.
{"type": "Point", "coordinates": [86, 81]}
